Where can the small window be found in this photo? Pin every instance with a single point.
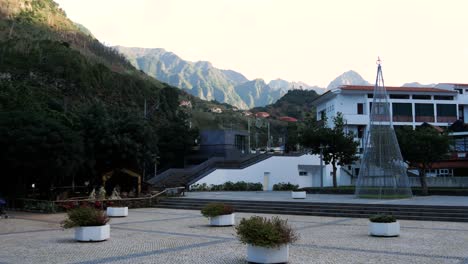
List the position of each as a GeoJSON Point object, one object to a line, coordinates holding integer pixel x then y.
{"type": "Point", "coordinates": [442, 97]}
{"type": "Point", "coordinates": [360, 109]}
{"type": "Point", "coordinates": [399, 96]}
{"type": "Point", "coordinates": [302, 173]}
{"type": "Point", "coordinates": [421, 97]}
{"type": "Point", "coordinates": [460, 91]}
{"type": "Point", "coordinates": [360, 131]}
{"type": "Point", "coordinates": [370, 96]}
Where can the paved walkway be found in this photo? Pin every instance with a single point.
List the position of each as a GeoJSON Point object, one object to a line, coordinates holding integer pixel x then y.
{"type": "Point", "coordinates": [329, 198]}
{"type": "Point", "coordinates": [182, 236]}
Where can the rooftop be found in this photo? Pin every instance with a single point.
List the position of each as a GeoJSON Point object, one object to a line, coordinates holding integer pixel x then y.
{"type": "Point", "coordinates": [395, 89]}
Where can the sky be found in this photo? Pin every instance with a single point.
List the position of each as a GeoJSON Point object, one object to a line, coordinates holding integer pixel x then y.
{"type": "Point", "coordinates": [296, 40]}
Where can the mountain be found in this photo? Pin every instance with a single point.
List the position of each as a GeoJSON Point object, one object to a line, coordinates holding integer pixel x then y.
{"type": "Point", "coordinates": [199, 78]}
{"type": "Point", "coordinates": [207, 82]}
{"type": "Point", "coordinates": [347, 78]}
{"type": "Point", "coordinates": [285, 86]}
{"type": "Point", "coordinates": [295, 103]}
{"type": "Point", "coordinates": [416, 84]}
{"type": "Point", "coordinates": [257, 93]}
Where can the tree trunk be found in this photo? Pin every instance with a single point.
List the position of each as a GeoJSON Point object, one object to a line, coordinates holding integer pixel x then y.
{"type": "Point", "coordinates": [422, 178]}
{"type": "Point", "coordinates": [335, 184]}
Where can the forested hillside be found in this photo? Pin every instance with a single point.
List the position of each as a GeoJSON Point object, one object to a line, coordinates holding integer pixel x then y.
{"type": "Point", "coordinates": [72, 109]}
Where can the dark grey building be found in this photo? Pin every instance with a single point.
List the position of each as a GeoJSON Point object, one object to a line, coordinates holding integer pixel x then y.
{"type": "Point", "coordinates": [224, 143]}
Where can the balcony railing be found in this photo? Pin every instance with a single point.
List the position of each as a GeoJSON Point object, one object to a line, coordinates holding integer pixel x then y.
{"type": "Point", "coordinates": [400, 118]}
{"type": "Point", "coordinates": [425, 119]}
{"type": "Point", "coordinates": [380, 118]}
{"type": "Point", "coordinates": [446, 119]}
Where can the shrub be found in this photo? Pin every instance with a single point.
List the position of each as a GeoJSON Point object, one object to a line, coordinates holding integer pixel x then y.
{"type": "Point", "coordinates": [216, 209]}
{"type": "Point", "coordinates": [382, 218]}
{"type": "Point", "coordinates": [285, 187]}
{"type": "Point", "coordinates": [228, 186]}
{"type": "Point", "coordinates": [85, 216]}
{"type": "Point", "coordinates": [263, 232]}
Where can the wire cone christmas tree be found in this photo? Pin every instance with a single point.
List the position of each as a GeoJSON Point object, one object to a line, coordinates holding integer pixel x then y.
{"type": "Point", "coordinates": [382, 173]}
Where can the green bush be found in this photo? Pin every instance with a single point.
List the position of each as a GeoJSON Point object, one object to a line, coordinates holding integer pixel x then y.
{"type": "Point", "coordinates": [38, 205]}
{"type": "Point", "coordinates": [382, 218]}
{"type": "Point", "coordinates": [85, 216]}
{"type": "Point", "coordinates": [285, 187]}
{"type": "Point", "coordinates": [228, 186]}
{"type": "Point", "coordinates": [264, 232]}
{"type": "Point", "coordinates": [216, 209]}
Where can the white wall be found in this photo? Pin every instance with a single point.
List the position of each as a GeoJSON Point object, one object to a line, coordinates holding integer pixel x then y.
{"type": "Point", "coordinates": [281, 169]}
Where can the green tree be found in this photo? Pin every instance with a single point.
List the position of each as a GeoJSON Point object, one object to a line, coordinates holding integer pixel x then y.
{"type": "Point", "coordinates": [339, 147]}
{"type": "Point", "coordinates": [37, 148]}
{"type": "Point", "coordinates": [117, 139]}
{"type": "Point", "coordinates": [421, 148]}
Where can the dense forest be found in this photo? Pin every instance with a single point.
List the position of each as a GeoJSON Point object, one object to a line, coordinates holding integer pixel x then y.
{"type": "Point", "coordinates": [72, 109]}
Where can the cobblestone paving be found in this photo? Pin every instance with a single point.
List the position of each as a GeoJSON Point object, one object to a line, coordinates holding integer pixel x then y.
{"type": "Point", "coordinates": [183, 236]}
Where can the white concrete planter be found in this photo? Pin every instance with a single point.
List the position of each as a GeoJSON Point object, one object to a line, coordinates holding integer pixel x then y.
{"type": "Point", "coordinates": [298, 195]}
{"type": "Point", "coordinates": [267, 255]}
{"type": "Point", "coordinates": [92, 233]}
{"type": "Point", "coordinates": [384, 229]}
{"type": "Point", "coordinates": [117, 211]}
{"type": "Point", "coordinates": [222, 220]}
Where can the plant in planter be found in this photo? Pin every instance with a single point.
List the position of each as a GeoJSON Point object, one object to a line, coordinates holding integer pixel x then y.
{"type": "Point", "coordinates": [219, 214]}
{"type": "Point", "coordinates": [384, 225]}
{"type": "Point", "coordinates": [267, 239]}
{"type": "Point", "coordinates": [116, 211]}
{"type": "Point", "coordinates": [90, 224]}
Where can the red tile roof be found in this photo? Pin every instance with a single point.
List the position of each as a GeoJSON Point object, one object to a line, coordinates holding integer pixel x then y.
{"type": "Point", "coordinates": [288, 119]}
{"type": "Point", "coordinates": [395, 89]}
{"type": "Point", "coordinates": [262, 114]}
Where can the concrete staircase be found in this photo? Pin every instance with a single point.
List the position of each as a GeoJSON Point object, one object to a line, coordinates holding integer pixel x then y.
{"type": "Point", "coordinates": [408, 212]}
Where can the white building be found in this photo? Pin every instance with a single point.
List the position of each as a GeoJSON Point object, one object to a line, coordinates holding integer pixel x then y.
{"type": "Point", "coordinates": [409, 106]}
{"type": "Point", "coordinates": [303, 171]}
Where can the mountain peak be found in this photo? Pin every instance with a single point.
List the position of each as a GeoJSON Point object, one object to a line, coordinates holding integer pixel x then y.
{"type": "Point", "coordinates": [347, 78]}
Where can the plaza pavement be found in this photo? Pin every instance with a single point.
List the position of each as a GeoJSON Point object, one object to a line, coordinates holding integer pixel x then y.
{"type": "Point", "coordinates": [151, 235]}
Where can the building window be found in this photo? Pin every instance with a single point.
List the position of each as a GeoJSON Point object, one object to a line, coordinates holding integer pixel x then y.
{"type": "Point", "coordinates": [424, 112]}
{"type": "Point", "coordinates": [402, 112]}
{"type": "Point", "coordinates": [461, 144]}
{"type": "Point", "coordinates": [443, 97]}
{"type": "Point", "coordinates": [460, 91]}
{"type": "Point", "coordinates": [370, 96]}
{"type": "Point", "coordinates": [360, 131]}
{"type": "Point", "coordinates": [421, 97]}
{"type": "Point", "coordinates": [360, 108]}
{"type": "Point", "coordinates": [239, 142]}
{"type": "Point", "coordinates": [399, 96]}
{"type": "Point", "coordinates": [446, 113]}
{"type": "Point", "coordinates": [302, 173]}
{"type": "Point", "coordinates": [322, 115]}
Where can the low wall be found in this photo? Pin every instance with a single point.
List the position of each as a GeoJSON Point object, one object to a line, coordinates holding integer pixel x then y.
{"type": "Point", "coordinates": [441, 182]}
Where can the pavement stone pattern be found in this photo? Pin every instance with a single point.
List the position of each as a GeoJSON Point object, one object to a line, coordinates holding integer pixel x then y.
{"type": "Point", "coordinates": [153, 235]}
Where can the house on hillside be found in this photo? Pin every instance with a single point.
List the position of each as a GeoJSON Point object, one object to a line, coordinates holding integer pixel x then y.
{"type": "Point", "coordinates": [186, 103]}
{"type": "Point", "coordinates": [216, 110]}
{"type": "Point", "coordinates": [262, 115]}
{"type": "Point", "coordinates": [287, 119]}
